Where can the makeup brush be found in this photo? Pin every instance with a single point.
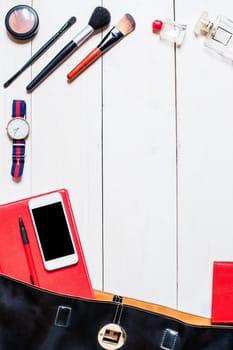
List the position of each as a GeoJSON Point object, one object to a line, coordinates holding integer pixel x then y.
{"type": "Point", "coordinates": [43, 48]}
{"type": "Point", "coordinates": [125, 26]}
{"type": "Point", "coordinates": [99, 19]}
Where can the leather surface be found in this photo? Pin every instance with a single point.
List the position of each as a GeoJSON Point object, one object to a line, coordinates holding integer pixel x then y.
{"type": "Point", "coordinates": [222, 292]}
{"type": "Point", "coordinates": [29, 320]}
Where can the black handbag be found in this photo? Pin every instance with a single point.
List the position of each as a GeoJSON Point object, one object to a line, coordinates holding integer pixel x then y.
{"type": "Point", "coordinates": [32, 318]}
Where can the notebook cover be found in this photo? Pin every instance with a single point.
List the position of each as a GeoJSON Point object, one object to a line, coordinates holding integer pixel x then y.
{"type": "Point", "coordinates": [72, 280]}
{"type": "Point", "coordinates": [222, 292]}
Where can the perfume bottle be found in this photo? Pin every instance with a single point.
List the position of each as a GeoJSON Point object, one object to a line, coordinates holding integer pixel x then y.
{"type": "Point", "coordinates": [218, 34]}
{"type": "Point", "coordinates": [170, 30]}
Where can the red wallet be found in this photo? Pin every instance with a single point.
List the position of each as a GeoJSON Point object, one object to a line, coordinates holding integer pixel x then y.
{"type": "Point", "coordinates": [222, 292]}
{"type": "Point", "coordinates": [72, 280]}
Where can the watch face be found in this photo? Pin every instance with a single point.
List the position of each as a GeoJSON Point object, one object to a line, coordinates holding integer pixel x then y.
{"type": "Point", "coordinates": [18, 128]}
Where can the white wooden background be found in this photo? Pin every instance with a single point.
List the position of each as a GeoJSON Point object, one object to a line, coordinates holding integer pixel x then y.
{"type": "Point", "coordinates": [143, 142]}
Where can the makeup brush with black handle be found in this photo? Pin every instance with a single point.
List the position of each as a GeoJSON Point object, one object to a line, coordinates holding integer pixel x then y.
{"type": "Point", "coordinates": [125, 26]}
{"type": "Point", "coordinates": [38, 53]}
{"type": "Point", "coordinates": [99, 19]}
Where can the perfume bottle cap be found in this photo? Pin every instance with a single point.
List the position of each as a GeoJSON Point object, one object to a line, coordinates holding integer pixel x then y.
{"type": "Point", "coordinates": [157, 25]}
{"type": "Point", "coordinates": [203, 24]}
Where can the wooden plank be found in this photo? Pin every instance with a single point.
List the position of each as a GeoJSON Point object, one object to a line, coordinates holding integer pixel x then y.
{"type": "Point", "coordinates": [205, 169]}
{"type": "Point", "coordinates": [139, 159]}
{"type": "Point", "coordinates": [14, 55]}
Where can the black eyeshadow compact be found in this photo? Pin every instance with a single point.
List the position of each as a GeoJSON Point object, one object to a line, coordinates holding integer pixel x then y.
{"type": "Point", "coordinates": [22, 22]}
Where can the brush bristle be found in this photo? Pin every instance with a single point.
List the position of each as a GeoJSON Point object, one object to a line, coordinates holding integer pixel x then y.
{"type": "Point", "coordinates": [126, 24]}
{"type": "Point", "coordinates": [99, 18]}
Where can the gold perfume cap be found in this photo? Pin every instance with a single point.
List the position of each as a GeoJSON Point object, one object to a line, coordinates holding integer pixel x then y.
{"type": "Point", "coordinates": [203, 24]}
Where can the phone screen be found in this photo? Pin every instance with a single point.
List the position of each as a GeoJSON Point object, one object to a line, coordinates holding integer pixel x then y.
{"type": "Point", "coordinates": [53, 231]}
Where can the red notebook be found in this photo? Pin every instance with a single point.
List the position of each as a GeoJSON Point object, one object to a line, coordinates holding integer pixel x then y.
{"type": "Point", "coordinates": [72, 280]}
{"type": "Point", "coordinates": [222, 292]}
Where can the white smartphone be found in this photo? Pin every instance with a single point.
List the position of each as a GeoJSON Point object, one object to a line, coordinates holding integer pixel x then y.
{"type": "Point", "coordinates": [53, 231]}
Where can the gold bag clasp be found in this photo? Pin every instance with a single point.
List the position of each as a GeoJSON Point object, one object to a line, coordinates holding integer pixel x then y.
{"type": "Point", "coordinates": [112, 336]}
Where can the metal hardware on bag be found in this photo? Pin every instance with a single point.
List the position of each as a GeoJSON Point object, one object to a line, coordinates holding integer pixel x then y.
{"type": "Point", "coordinates": [62, 318]}
{"type": "Point", "coordinates": [117, 299]}
{"type": "Point", "coordinates": [169, 339]}
{"type": "Point", "coordinates": [112, 336]}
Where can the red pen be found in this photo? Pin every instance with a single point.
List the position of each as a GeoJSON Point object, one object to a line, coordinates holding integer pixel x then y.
{"type": "Point", "coordinates": [28, 253]}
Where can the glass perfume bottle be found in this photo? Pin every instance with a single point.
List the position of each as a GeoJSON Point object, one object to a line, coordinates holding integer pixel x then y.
{"type": "Point", "coordinates": [218, 34]}
{"type": "Point", "coordinates": [170, 30]}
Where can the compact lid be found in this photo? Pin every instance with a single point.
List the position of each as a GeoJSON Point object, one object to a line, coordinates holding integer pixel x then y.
{"type": "Point", "coordinates": [22, 21]}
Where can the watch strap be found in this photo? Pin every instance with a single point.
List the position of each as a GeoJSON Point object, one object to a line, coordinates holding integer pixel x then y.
{"type": "Point", "coordinates": [18, 155]}
{"type": "Point", "coordinates": [18, 108]}
{"type": "Point", "coordinates": [18, 152]}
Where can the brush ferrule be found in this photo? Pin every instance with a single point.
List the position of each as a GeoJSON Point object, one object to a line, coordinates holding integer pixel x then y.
{"type": "Point", "coordinates": [110, 38]}
{"type": "Point", "coordinates": [83, 35]}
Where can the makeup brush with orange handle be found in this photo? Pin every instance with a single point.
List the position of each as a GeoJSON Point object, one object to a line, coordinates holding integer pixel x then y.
{"type": "Point", "coordinates": [125, 26]}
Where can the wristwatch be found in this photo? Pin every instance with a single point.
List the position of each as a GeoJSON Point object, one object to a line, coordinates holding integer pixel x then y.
{"type": "Point", "coordinates": [18, 130]}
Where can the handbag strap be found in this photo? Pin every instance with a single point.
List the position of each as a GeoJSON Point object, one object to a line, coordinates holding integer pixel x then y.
{"type": "Point", "coordinates": [157, 308]}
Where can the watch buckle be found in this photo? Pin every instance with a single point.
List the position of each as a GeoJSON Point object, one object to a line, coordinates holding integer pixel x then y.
{"type": "Point", "coordinates": [18, 159]}
{"type": "Point", "coordinates": [19, 144]}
